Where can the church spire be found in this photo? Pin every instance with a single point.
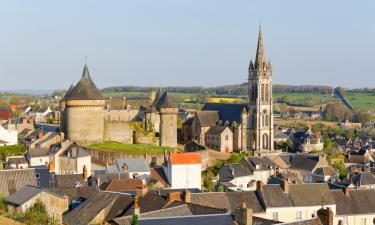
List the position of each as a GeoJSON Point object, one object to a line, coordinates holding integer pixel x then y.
{"type": "Point", "coordinates": [85, 73]}
{"type": "Point", "coordinates": [259, 59]}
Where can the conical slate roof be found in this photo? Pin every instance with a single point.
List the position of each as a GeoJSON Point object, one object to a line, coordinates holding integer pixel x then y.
{"type": "Point", "coordinates": [165, 102]}
{"type": "Point", "coordinates": [85, 89]}
{"type": "Point", "coordinates": [68, 92]}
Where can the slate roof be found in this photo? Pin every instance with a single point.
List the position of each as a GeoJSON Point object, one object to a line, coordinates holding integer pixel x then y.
{"type": "Point", "coordinates": [85, 89]}
{"type": "Point", "coordinates": [165, 102]}
{"type": "Point", "coordinates": [23, 195]}
{"type": "Point", "coordinates": [305, 162]}
{"type": "Point", "coordinates": [228, 200]}
{"type": "Point", "coordinates": [363, 179]}
{"type": "Point", "coordinates": [230, 171]}
{"type": "Point", "coordinates": [69, 180]}
{"type": "Point", "coordinates": [227, 112]}
{"type": "Point", "coordinates": [257, 163]}
{"type": "Point", "coordinates": [220, 219]}
{"type": "Point", "coordinates": [67, 93]}
{"type": "Point", "coordinates": [134, 165]}
{"type": "Point", "coordinates": [149, 202]}
{"type": "Point", "coordinates": [325, 171]}
{"type": "Point", "coordinates": [359, 201]}
{"type": "Point", "coordinates": [16, 159]}
{"type": "Point", "coordinates": [216, 130]}
{"type": "Point", "coordinates": [37, 152]}
{"type": "Point", "coordinates": [207, 118]}
{"type": "Point", "coordinates": [14, 180]}
{"type": "Point", "coordinates": [123, 184]}
{"type": "Point", "coordinates": [319, 193]}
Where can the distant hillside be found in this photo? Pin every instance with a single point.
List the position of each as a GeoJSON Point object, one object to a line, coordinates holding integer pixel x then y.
{"type": "Point", "coordinates": [240, 89]}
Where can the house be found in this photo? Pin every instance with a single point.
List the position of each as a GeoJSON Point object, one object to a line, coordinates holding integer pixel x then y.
{"type": "Point", "coordinates": [219, 138]}
{"type": "Point", "coordinates": [67, 157]}
{"type": "Point", "coordinates": [134, 167]}
{"type": "Point", "coordinates": [358, 157]}
{"type": "Point", "coordinates": [280, 136]}
{"type": "Point", "coordinates": [38, 156]}
{"type": "Point", "coordinates": [8, 136]}
{"type": "Point", "coordinates": [202, 121]}
{"type": "Point", "coordinates": [244, 175]}
{"type": "Point", "coordinates": [26, 197]}
{"type": "Point", "coordinates": [364, 180]}
{"type": "Point", "coordinates": [183, 170]}
{"type": "Point", "coordinates": [39, 115]}
{"type": "Point", "coordinates": [304, 165]}
{"type": "Point", "coordinates": [16, 162]}
{"type": "Point", "coordinates": [354, 206]}
{"type": "Point", "coordinates": [21, 124]}
{"type": "Point", "coordinates": [325, 174]}
{"type": "Point", "coordinates": [42, 139]}
{"type": "Point", "coordinates": [13, 180]}
{"type": "Point", "coordinates": [307, 141]}
{"type": "Point", "coordinates": [5, 113]}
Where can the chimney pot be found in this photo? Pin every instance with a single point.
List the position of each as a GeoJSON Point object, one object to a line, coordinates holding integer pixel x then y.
{"type": "Point", "coordinates": [187, 196]}
{"type": "Point", "coordinates": [285, 186]}
{"type": "Point", "coordinates": [346, 191]}
{"type": "Point", "coordinates": [85, 173]}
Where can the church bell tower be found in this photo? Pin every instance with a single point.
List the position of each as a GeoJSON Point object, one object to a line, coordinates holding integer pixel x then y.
{"type": "Point", "coordinates": [261, 134]}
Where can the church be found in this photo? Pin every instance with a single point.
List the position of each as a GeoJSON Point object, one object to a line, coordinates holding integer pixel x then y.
{"type": "Point", "coordinates": [88, 117]}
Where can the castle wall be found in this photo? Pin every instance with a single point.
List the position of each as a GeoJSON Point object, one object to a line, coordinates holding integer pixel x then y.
{"type": "Point", "coordinates": [85, 124]}
{"type": "Point", "coordinates": [129, 115]}
{"type": "Point", "coordinates": [119, 131]}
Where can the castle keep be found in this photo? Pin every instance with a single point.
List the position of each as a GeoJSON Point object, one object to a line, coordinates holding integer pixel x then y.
{"type": "Point", "coordinates": [86, 116]}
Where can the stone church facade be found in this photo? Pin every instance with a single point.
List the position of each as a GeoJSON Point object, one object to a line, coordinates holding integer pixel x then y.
{"type": "Point", "coordinates": [86, 116]}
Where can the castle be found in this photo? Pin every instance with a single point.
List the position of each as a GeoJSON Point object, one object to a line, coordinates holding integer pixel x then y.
{"type": "Point", "coordinates": [87, 117]}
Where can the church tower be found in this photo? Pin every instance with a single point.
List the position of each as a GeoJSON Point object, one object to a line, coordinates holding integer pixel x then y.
{"type": "Point", "coordinates": [261, 135]}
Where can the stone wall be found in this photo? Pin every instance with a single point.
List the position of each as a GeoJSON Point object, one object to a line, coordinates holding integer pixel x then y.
{"type": "Point", "coordinates": [104, 157]}
{"type": "Point", "coordinates": [143, 138]}
{"type": "Point", "coordinates": [119, 131]}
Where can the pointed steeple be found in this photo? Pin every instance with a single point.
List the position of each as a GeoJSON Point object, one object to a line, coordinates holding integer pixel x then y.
{"type": "Point", "coordinates": [251, 65]}
{"type": "Point", "coordinates": [85, 73]}
{"type": "Point", "coordinates": [259, 59]}
{"type": "Point", "coordinates": [269, 64]}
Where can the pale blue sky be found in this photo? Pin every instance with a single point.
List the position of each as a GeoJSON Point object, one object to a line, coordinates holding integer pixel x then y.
{"type": "Point", "coordinates": [179, 42]}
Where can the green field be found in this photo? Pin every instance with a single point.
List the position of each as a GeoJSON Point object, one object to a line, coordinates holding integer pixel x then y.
{"type": "Point", "coordinates": [112, 146]}
{"type": "Point", "coordinates": [361, 100]}
{"type": "Point", "coordinates": [305, 99]}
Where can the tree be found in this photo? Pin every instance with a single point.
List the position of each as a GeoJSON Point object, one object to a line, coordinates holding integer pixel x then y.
{"type": "Point", "coordinates": [207, 180]}
{"type": "Point", "coordinates": [134, 220]}
{"type": "Point", "coordinates": [336, 112]}
{"type": "Point", "coordinates": [37, 214]}
{"type": "Point", "coordinates": [362, 117]}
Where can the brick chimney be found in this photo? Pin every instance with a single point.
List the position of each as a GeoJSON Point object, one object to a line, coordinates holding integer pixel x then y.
{"type": "Point", "coordinates": [136, 208]}
{"type": "Point", "coordinates": [173, 196]}
{"type": "Point", "coordinates": [244, 215]}
{"type": "Point", "coordinates": [187, 196]}
{"type": "Point", "coordinates": [325, 216]}
{"type": "Point", "coordinates": [85, 173]}
{"type": "Point", "coordinates": [141, 191]}
{"type": "Point", "coordinates": [285, 186]}
{"type": "Point", "coordinates": [260, 186]}
{"type": "Point", "coordinates": [346, 191]}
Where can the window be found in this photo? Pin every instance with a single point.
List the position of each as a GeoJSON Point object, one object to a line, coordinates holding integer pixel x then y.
{"type": "Point", "coordinates": [262, 94]}
{"type": "Point", "coordinates": [37, 175]}
{"type": "Point", "coordinates": [363, 221]}
{"type": "Point", "coordinates": [37, 184]}
{"type": "Point", "coordinates": [226, 137]}
{"type": "Point", "coordinates": [265, 141]}
{"type": "Point", "coordinates": [275, 216]}
{"type": "Point", "coordinates": [299, 215]}
{"type": "Point", "coordinates": [266, 91]}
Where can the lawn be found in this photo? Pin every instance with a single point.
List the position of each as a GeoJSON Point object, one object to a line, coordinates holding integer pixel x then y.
{"type": "Point", "coordinates": [361, 100]}
{"type": "Point", "coordinates": [112, 146]}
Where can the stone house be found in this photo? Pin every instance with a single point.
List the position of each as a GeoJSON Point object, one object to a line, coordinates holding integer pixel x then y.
{"type": "Point", "coordinates": [307, 141]}
{"type": "Point", "coordinates": [38, 157]}
{"type": "Point", "coordinates": [68, 157]}
{"type": "Point", "coordinates": [219, 138]}
{"type": "Point", "coordinates": [201, 123]}
{"type": "Point", "coordinates": [26, 197]}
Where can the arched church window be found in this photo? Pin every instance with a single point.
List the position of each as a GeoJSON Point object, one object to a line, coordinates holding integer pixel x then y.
{"type": "Point", "coordinates": [265, 141]}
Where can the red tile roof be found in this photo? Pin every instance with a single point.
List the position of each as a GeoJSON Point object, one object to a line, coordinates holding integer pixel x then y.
{"type": "Point", "coordinates": [186, 158]}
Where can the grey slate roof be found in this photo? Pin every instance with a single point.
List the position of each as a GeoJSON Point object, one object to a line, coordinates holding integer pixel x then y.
{"type": "Point", "coordinates": [15, 160]}
{"type": "Point", "coordinates": [362, 179]}
{"type": "Point", "coordinates": [305, 162]}
{"type": "Point", "coordinates": [227, 112]}
{"type": "Point", "coordinates": [134, 165]}
{"type": "Point", "coordinates": [37, 152]}
{"type": "Point", "coordinates": [207, 118]}
{"type": "Point", "coordinates": [318, 194]}
{"type": "Point", "coordinates": [69, 180]}
{"type": "Point", "coordinates": [14, 180]}
{"type": "Point", "coordinates": [216, 130]}
{"type": "Point", "coordinates": [165, 102]}
{"type": "Point", "coordinates": [360, 201]}
{"type": "Point", "coordinates": [228, 200]}
{"type": "Point", "coordinates": [85, 89]}
{"type": "Point", "coordinates": [230, 171]}
{"type": "Point", "coordinates": [219, 219]}
{"type": "Point", "coordinates": [23, 195]}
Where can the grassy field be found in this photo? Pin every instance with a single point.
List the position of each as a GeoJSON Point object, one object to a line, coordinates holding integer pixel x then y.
{"type": "Point", "coordinates": [112, 146]}
{"type": "Point", "coordinates": [362, 100]}
{"type": "Point", "coordinates": [302, 98]}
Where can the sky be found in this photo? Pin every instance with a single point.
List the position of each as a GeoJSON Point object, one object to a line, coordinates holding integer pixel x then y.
{"type": "Point", "coordinates": [43, 44]}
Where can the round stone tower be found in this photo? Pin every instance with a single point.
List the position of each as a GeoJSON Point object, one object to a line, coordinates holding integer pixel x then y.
{"type": "Point", "coordinates": [83, 115]}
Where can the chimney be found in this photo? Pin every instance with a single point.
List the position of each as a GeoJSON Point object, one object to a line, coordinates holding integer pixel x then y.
{"type": "Point", "coordinates": [51, 167]}
{"type": "Point", "coordinates": [141, 191]}
{"type": "Point", "coordinates": [285, 186]}
{"type": "Point", "coordinates": [17, 166]}
{"type": "Point", "coordinates": [173, 196]}
{"type": "Point", "coordinates": [85, 173]}
{"type": "Point", "coordinates": [325, 216]}
{"type": "Point", "coordinates": [136, 207]}
{"type": "Point", "coordinates": [260, 186]}
{"type": "Point", "coordinates": [187, 196]}
{"type": "Point", "coordinates": [40, 134]}
{"type": "Point", "coordinates": [346, 191]}
{"type": "Point", "coordinates": [244, 215]}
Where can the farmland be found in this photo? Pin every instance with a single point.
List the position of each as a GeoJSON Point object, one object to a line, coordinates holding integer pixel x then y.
{"type": "Point", "coordinates": [361, 101]}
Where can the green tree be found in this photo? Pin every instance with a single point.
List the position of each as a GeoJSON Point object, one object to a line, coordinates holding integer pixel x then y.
{"type": "Point", "coordinates": [327, 142]}
{"type": "Point", "coordinates": [134, 220]}
{"type": "Point", "coordinates": [37, 214]}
